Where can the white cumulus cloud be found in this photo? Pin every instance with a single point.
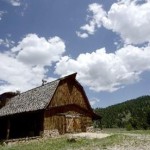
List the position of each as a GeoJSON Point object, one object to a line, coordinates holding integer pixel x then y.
{"type": "Point", "coordinates": [1, 14]}
{"type": "Point", "coordinates": [23, 67]}
{"type": "Point", "coordinates": [34, 50]}
{"type": "Point", "coordinates": [7, 42]}
{"type": "Point", "coordinates": [130, 19]}
{"type": "Point", "coordinates": [82, 35]}
{"type": "Point", "coordinates": [94, 20]}
{"type": "Point", "coordinates": [15, 2]}
{"type": "Point", "coordinates": [94, 101]}
{"type": "Point", "coordinates": [102, 71]}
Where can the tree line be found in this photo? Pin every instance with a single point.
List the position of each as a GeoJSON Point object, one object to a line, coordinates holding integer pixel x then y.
{"type": "Point", "coordinates": [132, 114]}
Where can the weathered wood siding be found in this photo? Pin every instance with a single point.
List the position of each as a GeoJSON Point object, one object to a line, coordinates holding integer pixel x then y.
{"type": "Point", "coordinates": [68, 93]}
{"type": "Point", "coordinates": [55, 122]}
{"type": "Point", "coordinates": [68, 109]}
{"type": "Point", "coordinates": [68, 123]}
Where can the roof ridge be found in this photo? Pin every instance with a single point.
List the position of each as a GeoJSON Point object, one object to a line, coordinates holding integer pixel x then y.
{"type": "Point", "coordinates": [67, 76]}
{"type": "Point", "coordinates": [38, 86]}
{"type": "Point", "coordinates": [62, 78]}
{"type": "Point", "coordinates": [34, 99]}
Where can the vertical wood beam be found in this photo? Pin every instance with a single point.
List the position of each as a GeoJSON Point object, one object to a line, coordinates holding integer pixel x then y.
{"type": "Point", "coordinates": [8, 129]}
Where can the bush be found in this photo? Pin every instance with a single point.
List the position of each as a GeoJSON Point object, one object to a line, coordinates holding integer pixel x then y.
{"type": "Point", "coordinates": [129, 127]}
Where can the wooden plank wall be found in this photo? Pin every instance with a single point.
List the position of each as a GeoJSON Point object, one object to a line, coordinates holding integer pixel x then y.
{"type": "Point", "coordinates": [68, 94]}
{"type": "Point", "coordinates": [55, 122]}
{"type": "Point", "coordinates": [66, 123]}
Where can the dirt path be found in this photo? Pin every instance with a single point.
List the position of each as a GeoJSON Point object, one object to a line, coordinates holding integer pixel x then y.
{"type": "Point", "coordinates": [91, 135]}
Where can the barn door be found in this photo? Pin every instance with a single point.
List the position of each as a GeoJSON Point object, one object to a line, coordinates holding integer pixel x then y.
{"type": "Point", "coordinates": [61, 124]}
{"type": "Point", "coordinates": [73, 124]}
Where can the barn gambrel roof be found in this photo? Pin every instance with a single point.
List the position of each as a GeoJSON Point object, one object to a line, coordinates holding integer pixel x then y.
{"type": "Point", "coordinates": [37, 99]}
{"type": "Point", "coordinates": [32, 100]}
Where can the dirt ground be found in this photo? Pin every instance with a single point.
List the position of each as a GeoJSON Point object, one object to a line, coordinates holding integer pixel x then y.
{"type": "Point", "coordinates": [91, 135]}
{"type": "Point", "coordinates": [130, 142]}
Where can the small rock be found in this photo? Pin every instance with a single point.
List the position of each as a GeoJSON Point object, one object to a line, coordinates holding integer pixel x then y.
{"type": "Point", "coordinates": [71, 140]}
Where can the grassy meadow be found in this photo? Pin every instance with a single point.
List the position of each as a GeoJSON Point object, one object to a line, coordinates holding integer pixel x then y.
{"type": "Point", "coordinates": [119, 139]}
{"type": "Point", "coordinates": [63, 144]}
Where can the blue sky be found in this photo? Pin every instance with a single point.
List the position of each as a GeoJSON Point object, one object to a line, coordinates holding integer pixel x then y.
{"type": "Point", "coordinates": [106, 42]}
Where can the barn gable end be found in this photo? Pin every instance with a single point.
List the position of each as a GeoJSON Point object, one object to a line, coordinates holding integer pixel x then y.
{"type": "Point", "coordinates": [69, 110]}
{"type": "Point", "coordinates": [69, 91]}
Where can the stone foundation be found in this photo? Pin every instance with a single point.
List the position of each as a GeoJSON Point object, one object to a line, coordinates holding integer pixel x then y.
{"type": "Point", "coordinates": [90, 129]}
{"type": "Point", "coordinates": [51, 133]}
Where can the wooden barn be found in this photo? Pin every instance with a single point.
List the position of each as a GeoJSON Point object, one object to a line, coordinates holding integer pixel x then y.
{"type": "Point", "coordinates": [61, 104]}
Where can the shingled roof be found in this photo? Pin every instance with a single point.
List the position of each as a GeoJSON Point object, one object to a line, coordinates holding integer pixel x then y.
{"type": "Point", "coordinates": [32, 100]}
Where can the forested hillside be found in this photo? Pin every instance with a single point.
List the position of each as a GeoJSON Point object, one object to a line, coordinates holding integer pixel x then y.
{"type": "Point", "coordinates": [132, 114]}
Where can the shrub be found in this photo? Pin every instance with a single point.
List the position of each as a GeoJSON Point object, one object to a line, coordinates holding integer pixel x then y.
{"type": "Point", "coordinates": [129, 127]}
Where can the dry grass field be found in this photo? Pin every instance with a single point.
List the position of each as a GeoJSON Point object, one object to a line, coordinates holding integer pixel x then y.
{"type": "Point", "coordinates": [114, 139]}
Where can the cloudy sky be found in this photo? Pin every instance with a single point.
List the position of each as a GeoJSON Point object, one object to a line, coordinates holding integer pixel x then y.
{"type": "Point", "coordinates": [106, 42]}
